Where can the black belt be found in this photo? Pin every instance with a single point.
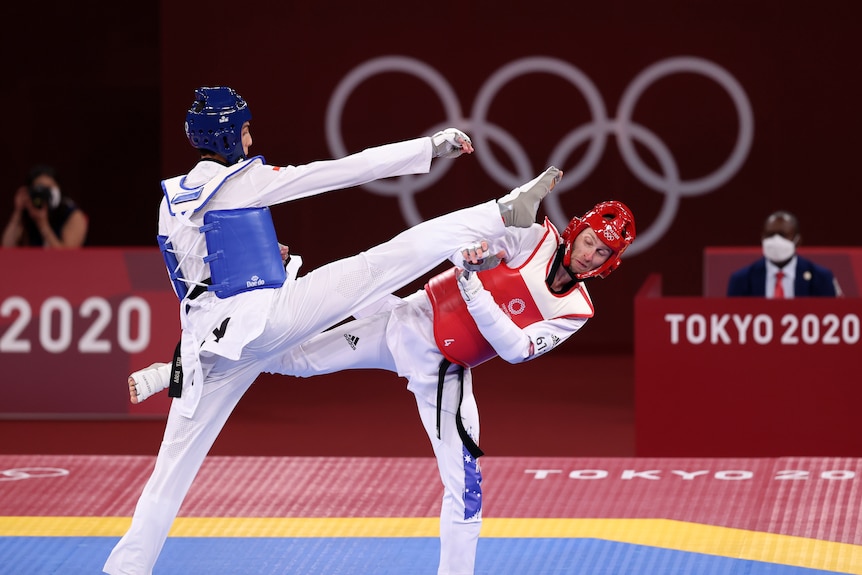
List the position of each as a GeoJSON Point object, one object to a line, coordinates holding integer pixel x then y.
{"type": "Point", "coordinates": [465, 437]}
{"type": "Point", "coordinates": [175, 389]}
{"type": "Point", "coordinates": [200, 289]}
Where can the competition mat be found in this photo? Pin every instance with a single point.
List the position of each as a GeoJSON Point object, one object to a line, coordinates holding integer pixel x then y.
{"type": "Point", "coordinates": [358, 516]}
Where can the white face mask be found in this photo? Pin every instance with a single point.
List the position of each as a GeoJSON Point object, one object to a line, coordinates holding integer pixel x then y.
{"type": "Point", "coordinates": [778, 249]}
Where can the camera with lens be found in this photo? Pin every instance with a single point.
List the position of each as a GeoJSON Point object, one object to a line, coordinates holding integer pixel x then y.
{"type": "Point", "coordinates": [40, 196]}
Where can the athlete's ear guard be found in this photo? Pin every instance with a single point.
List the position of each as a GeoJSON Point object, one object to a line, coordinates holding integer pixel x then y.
{"type": "Point", "coordinates": [243, 251]}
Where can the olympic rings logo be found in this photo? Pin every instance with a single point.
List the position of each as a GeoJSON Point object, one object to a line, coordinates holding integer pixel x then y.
{"type": "Point", "coordinates": [21, 473]}
{"type": "Point", "coordinates": [610, 235]}
{"type": "Point", "coordinates": [516, 306]}
{"type": "Point", "coordinates": [624, 129]}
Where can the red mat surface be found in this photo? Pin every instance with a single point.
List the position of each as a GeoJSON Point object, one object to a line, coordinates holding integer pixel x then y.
{"type": "Point", "coordinates": [816, 498]}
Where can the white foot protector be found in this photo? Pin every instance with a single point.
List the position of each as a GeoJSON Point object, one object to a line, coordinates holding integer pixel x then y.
{"type": "Point", "coordinates": [520, 206]}
{"type": "Point", "coordinates": [151, 380]}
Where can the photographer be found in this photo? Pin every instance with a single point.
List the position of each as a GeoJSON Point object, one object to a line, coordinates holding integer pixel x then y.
{"type": "Point", "coordinates": [43, 216]}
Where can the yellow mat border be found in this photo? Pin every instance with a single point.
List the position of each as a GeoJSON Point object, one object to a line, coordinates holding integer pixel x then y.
{"type": "Point", "coordinates": [661, 533]}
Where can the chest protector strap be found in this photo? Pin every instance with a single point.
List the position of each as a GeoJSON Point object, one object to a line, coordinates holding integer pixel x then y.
{"type": "Point", "coordinates": [173, 265]}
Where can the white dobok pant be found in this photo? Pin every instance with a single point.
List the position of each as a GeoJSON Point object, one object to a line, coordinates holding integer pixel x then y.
{"type": "Point", "coordinates": [402, 341]}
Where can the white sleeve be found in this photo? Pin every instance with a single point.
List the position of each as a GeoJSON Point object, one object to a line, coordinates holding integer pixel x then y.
{"type": "Point", "coordinates": [513, 344]}
{"type": "Point", "coordinates": [277, 185]}
{"type": "Point", "coordinates": [548, 334]}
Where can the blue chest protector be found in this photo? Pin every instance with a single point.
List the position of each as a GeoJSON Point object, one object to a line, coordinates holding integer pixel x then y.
{"type": "Point", "coordinates": [243, 251]}
{"type": "Point", "coordinates": [242, 248]}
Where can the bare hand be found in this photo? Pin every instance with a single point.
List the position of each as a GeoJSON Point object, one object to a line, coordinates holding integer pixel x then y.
{"type": "Point", "coordinates": [477, 258]}
{"type": "Point", "coordinates": [22, 199]}
{"type": "Point", "coordinates": [466, 146]}
{"type": "Point", "coordinates": [133, 391]}
{"type": "Point", "coordinates": [475, 253]}
{"type": "Point", "coordinates": [38, 215]}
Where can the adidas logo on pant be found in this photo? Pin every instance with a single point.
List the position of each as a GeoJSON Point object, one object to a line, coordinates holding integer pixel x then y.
{"type": "Point", "coordinates": [352, 340]}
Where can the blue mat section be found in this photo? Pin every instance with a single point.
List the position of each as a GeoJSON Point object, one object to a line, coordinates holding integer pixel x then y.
{"type": "Point", "coordinates": [381, 556]}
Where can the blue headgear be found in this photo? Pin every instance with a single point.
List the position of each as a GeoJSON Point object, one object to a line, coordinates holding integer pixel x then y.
{"type": "Point", "coordinates": [215, 120]}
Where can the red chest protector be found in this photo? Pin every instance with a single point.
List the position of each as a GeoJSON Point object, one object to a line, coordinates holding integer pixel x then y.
{"type": "Point", "coordinates": [520, 292]}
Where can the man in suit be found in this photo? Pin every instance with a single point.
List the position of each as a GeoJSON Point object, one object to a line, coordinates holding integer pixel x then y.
{"type": "Point", "coordinates": [781, 273]}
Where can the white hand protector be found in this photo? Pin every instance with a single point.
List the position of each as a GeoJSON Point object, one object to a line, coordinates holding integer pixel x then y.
{"type": "Point", "coordinates": [151, 380]}
{"type": "Point", "coordinates": [470, 285]}
{"type": "Point", "coordinates": [446, 143]}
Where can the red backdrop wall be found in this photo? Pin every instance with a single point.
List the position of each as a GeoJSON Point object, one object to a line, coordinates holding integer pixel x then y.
{"type": "Point", "coordinates": [105, 100]}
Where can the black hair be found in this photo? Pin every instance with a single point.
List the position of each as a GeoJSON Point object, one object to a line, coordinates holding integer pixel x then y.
{"type": "Point", "coordinates": [784, 215]}
{"type": "Point", "coordinates": [41, 170]}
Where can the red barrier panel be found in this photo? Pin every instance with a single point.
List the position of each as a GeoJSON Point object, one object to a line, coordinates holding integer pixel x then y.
{"type": "Point", "coordinates": [746, 377]}
{"type": "Point", "coordinates": [75, 323]}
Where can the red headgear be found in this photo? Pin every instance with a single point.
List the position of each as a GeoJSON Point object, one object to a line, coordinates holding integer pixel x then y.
{"type": "Point", "coordinates": [613, 223]}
